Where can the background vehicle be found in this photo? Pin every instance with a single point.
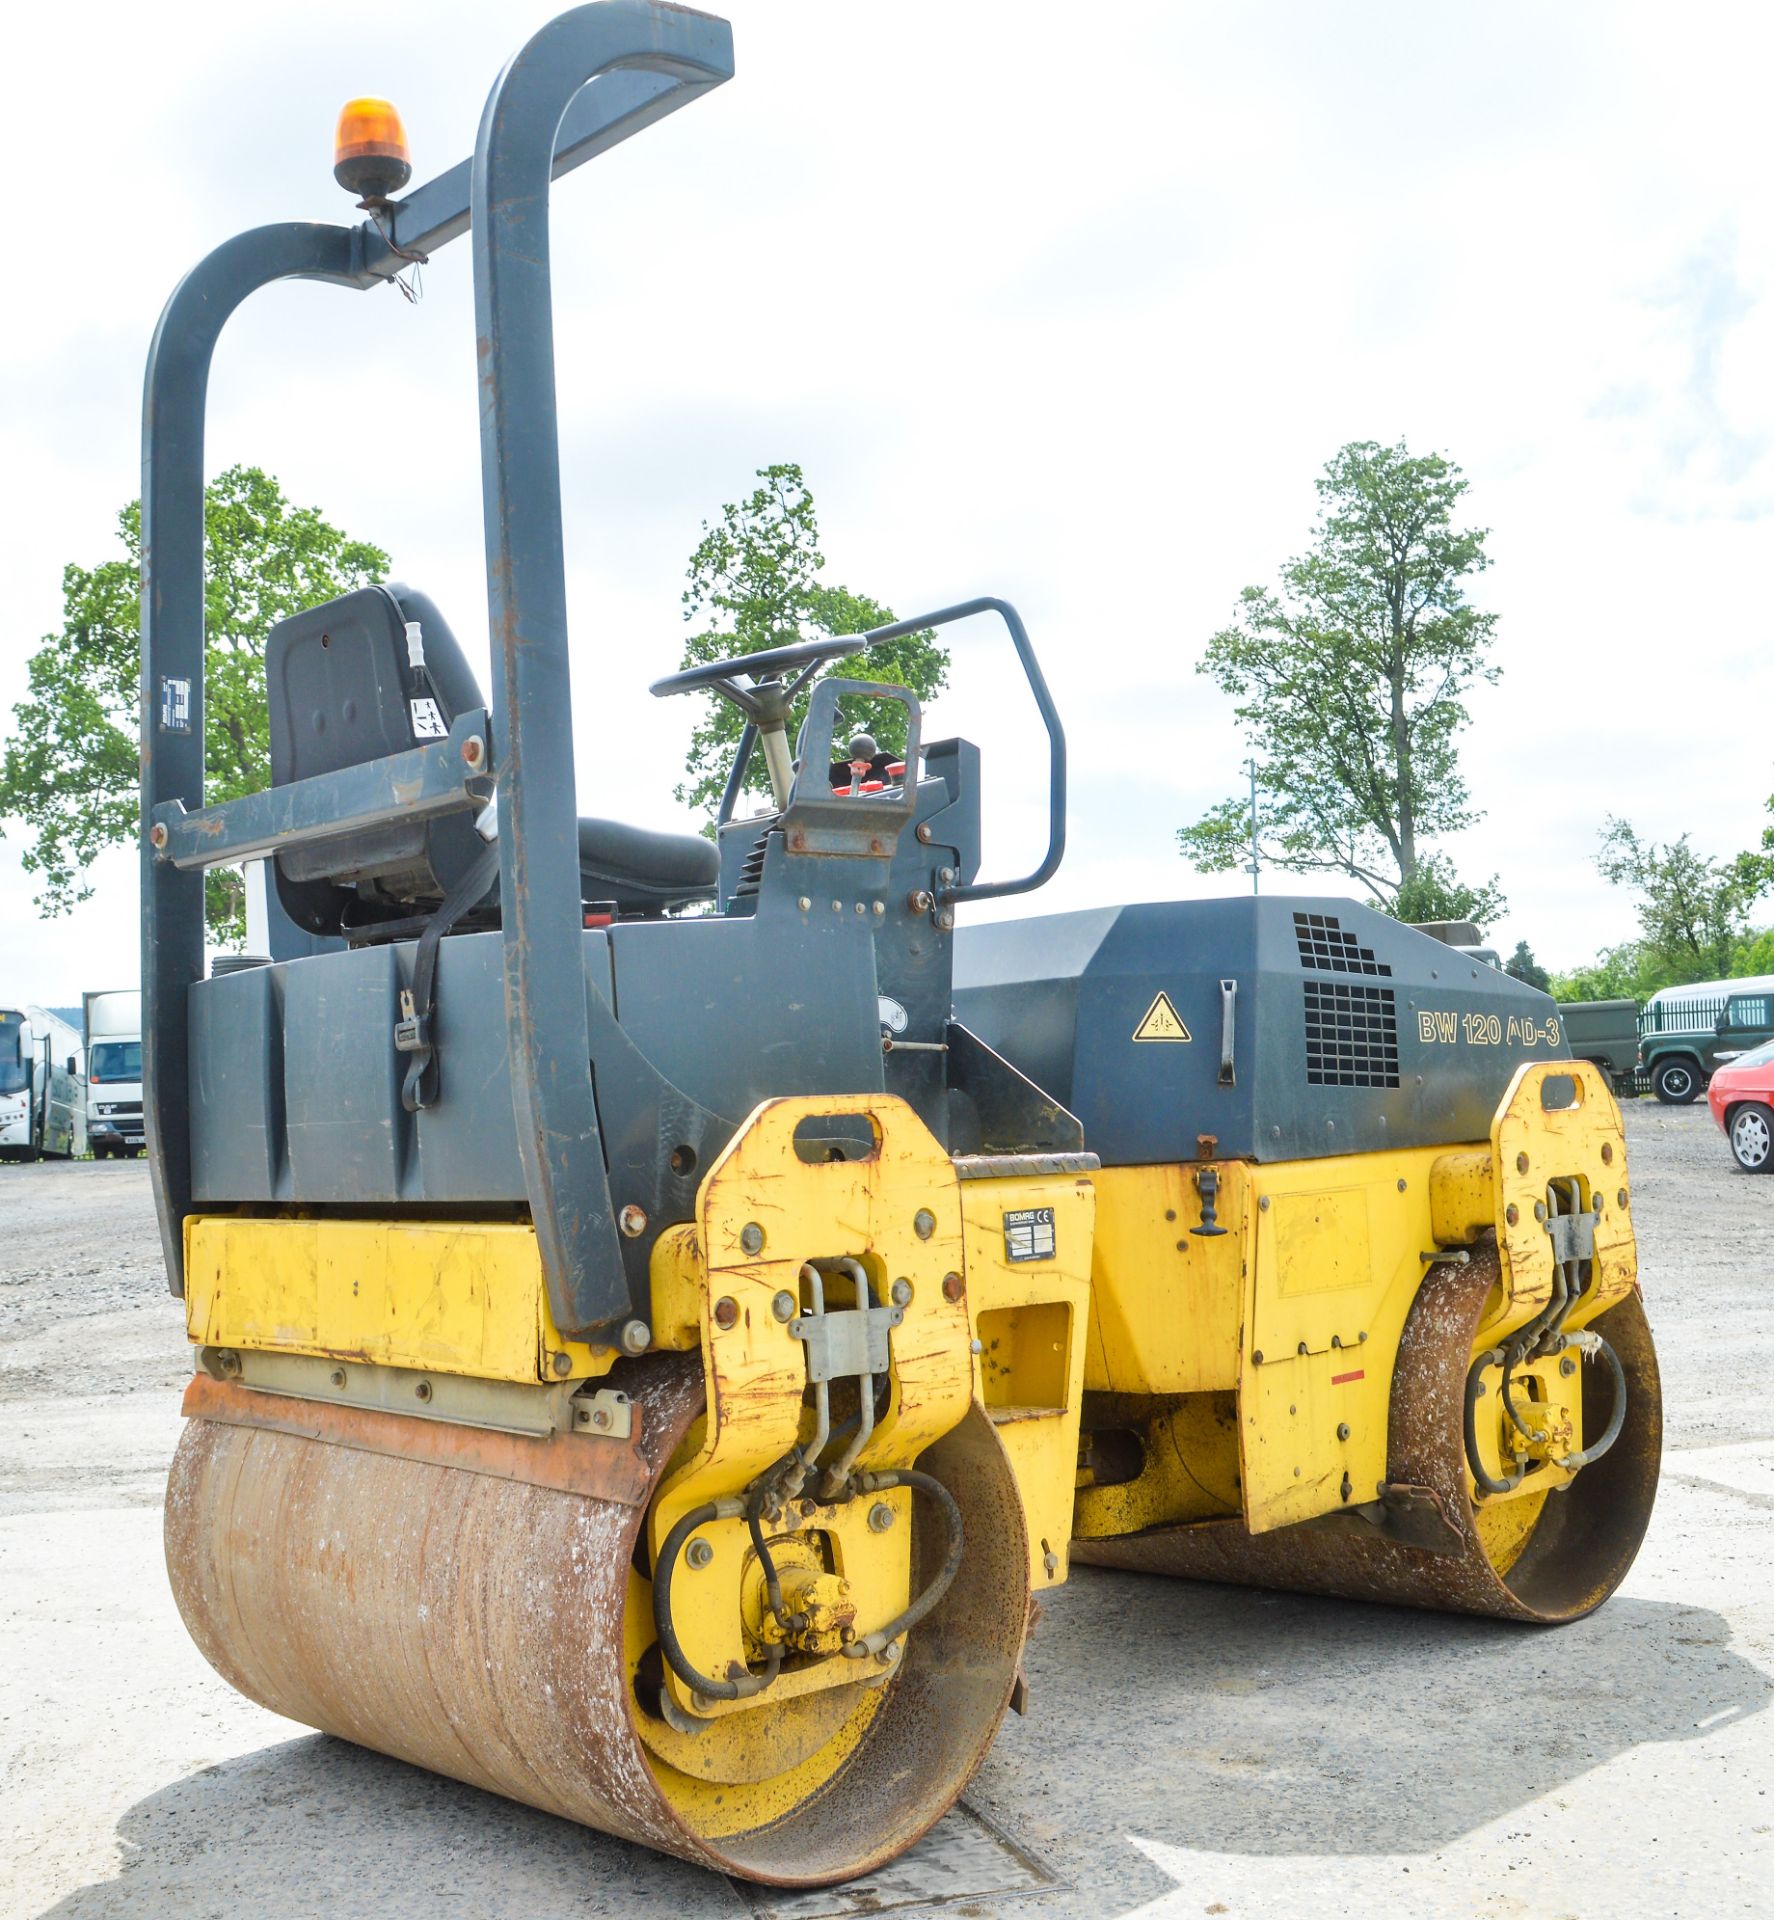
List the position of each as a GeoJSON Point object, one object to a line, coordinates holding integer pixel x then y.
{"type": "Point", "coordinates": [1741, 1096]}
{"type": "Point", "coordinates": [113, 1023]}
{"type": "Point", "coordinates": [42, 1090]}
{"type": "Point", "coordinates": [1684, 1037]}
{"type": "Point", "coordinates": [647, 1363]}
{"type": "Point", "coordinates": [1605, 1033]}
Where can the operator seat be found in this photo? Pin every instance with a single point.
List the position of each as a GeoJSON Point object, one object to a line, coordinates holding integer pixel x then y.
{"type": "Point", "coordinates": [342, 688]}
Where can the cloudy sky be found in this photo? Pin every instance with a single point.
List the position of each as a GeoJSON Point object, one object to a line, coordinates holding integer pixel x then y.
{"type": "Point", "coordinates": [1068, 305]}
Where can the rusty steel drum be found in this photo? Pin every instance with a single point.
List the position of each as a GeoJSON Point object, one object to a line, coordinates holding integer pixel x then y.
{"type": "Point", "coordinates": [1576, 1544]}
{"type": "Point", "coordinates": [470, 1602]}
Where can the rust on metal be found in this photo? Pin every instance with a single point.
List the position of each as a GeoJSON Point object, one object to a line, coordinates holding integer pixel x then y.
{"type": "Point", "coordinates": [475, 1624]}
{"type": "Point", "coordinates": [567, 1462]}
{"type": "Point", "coordinates": [1580, 1549]}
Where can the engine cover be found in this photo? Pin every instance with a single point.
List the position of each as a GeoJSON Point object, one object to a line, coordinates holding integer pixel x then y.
{"type": "Point", "coordinates": [1348, 1032]}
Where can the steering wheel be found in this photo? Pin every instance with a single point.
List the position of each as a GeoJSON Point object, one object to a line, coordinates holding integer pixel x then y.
{"type": "Point", "coordinates": [765, 670]}
{"type": "Point", "coordinates": [777, 675]}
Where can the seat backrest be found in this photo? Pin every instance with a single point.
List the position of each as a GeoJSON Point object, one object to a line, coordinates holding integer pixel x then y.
{"type": "Point", "coordinates": [341, 690]}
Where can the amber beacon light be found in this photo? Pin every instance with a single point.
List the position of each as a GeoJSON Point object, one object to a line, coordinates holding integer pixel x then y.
{"type": "Point", "coordinates": [370, 155]}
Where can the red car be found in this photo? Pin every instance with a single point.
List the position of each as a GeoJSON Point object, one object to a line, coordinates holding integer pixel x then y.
{"type": "Point", "coordinates": [1741, 1095]}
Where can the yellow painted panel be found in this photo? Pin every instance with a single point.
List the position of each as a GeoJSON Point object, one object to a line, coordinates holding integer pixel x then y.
{"type": "Point", "coordinates": [1338, 1261]}
{"type": "Point", "coordinates": [1030, 1317]}
{"type": "Point", "coordinates": [1166, 1303]}
{"type": "Point", "coordinates": [458, 1297]}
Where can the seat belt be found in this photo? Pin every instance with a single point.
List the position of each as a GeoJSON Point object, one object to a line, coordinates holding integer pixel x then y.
{"type": "Point", "coordinates": [413, 1033]}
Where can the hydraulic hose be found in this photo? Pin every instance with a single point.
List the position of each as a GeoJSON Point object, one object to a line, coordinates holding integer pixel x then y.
{"type": "Point", "coordinates": [740, 1684]}
{"type": "Point", "coordinates": [872, 1643]}
{"type": "Point", "coordinates": [1593, 1346]}
{"type": "Point", "coordinates": [1487, 1481]}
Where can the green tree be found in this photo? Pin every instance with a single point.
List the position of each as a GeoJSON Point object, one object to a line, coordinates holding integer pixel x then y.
{"type": "Point", "coordinates": [1521, 965]}
{"type": "Point", "coordinates": [69, 773]}
{"type": "Point", "coordinates": [754, 584]}
{"type": "Point", "coordinates": [1350, 680]}
{"type": "Point", "coordinates": [1434, 893]}
{"type": "Point", "coordinates": [1693, 910]}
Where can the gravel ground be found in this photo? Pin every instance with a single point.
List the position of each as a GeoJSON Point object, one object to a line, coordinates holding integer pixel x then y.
{"type": "Point", "coordinates": [1190, 1749]}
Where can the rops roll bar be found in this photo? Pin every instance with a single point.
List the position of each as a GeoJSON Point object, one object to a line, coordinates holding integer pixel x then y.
{"type": "Point", "coordinates": [587, 81]}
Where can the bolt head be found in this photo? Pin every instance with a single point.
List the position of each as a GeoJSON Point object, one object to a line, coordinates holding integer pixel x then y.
{"type": "Point", "coordinates": [1050, 1560]}
{"type": "Point", "coordinates": [1256, 1359]}
{"type": "Point", "coordinates": [1342, 1429]}
{"type": "Point", "coordinates": [1620, 1198]}
{"type": "Point", "coordinates": [880, 909]}
{"type": "Point", "coordinates": [633, 1221]}
{"type": "Point", "coordinates": [1521, 1163]}
{"type": "Point", "coordinates": [804, 903]}
{"type": "Point", "coordinates": [636, 1336]}
{"type": "Point", "coordinates": [751, 1237]}
{"type": "Point", "coordinates": [953, 1287]}
{"type": "Point", "coordinates": [923, 1223]}
{"type": "Point", "coordinates": [1607, 1153]}
{"type": "Point", "coordinates": [422, 1391]}
{"type": "Point", "coordinates": [889, 1653]}
{"type": "Point", "coordinates": [1402, 1185]}
{"type": "Point", "coordinates": [880, 1517]}
{"type": "Point", "coordinates": [562, 1364]}
{"type": "Point", "coordinates": [473, 751]}
{"type": "Point", "coordinates": [726, 1311]}
{"type": "Point", "coordinates": [945, 920]}
{"type": "Point", "coordinates": [1540, 1210]}
{"type": "Point", "coordinates": [924, 833]}
{"type": "Point", "coordinates": [337, 1376]}
{"type": "Point", "coordinates": [1511, 1213]}
{"type": "Point", "coordinates": [1567, 1366]}
{"type": "Point", "coordinates": [157, 835]}
{"type": "Point", "coordinates": [783, 1307]}
{"type": "Point", "coordinates": [900, 1293]}
{"type": "Point", "coordinates": [920, 900]}
{"type": "Point", "coordinates": [698, 1553]}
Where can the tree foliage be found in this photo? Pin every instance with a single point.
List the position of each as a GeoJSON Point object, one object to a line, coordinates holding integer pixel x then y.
{"type": "Point", "coordinates": [1693, 910]}
{"type": "Point", "coordinates": [754, 584]}
{"type": "Point", "coordinates": [1350, 680]}
{"type": "Point", "coordinates": [1433, 892]}
{"type": "Point", "coordinates": [70, 770]}
{"type": "Point", "coordinates": [1521, 965]}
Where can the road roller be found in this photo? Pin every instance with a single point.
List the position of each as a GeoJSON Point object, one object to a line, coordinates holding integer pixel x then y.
{"type": "Point", "coordinates": [664, 1308]}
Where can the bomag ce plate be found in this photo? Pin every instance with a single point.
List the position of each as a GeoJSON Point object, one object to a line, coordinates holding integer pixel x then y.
{"type": "Point", "coordinates": [663, 1309]}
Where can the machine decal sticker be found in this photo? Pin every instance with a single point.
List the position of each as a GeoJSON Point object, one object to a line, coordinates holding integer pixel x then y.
{"type": "Point", "coordinates": [428, 722]}
{"type": "Point", "coordinates": [1445, 1028]}
{"type": "Point", "coordinates": [1343, 1379]}
{"type": "Point", "coordinates": [1029, 1235]}
{"type": "Point", "coordinates": [1161, 1021]}
{"type": "Point", "coordinates": [175, 705]}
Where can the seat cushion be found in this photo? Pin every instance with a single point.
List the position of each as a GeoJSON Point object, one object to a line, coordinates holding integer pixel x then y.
{"type": "Point", "coordinates": [638, 868]}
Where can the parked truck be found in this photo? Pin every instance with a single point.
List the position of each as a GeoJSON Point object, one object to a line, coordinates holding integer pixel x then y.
{"type": "Point", "coordinates": [1605, 1033]}
{"type": "Point", "coordinates": [42, 1090]}
{"type": "Point", "coordinates": [113, 1022]}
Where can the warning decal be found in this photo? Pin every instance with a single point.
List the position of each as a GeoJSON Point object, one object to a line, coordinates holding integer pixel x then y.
{"type": "Point", "coordinates": [1162, 1022]}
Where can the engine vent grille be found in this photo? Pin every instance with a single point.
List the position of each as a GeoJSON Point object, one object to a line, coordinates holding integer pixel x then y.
{"type": "Point", "coordinates": [1351, 1035]}
{"type": "Point", "coordinates": [1323, 943]}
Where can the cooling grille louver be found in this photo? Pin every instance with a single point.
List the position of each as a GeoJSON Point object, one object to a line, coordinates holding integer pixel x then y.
{"type": "Point", "coordinates": [1351, 1035]}
{"type": "Point", "coordinates": [1323, 943]}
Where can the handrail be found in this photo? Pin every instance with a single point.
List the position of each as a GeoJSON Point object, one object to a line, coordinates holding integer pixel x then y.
{"type": "Point", "coordinates": [643, 79]}
{"type": "Point", "coordinates": [1056, 741]}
